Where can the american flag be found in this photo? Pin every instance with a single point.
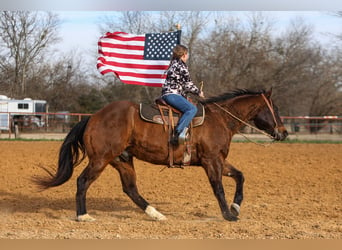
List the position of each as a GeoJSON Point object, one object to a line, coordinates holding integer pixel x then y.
{"type": "Point", "coordinates": [137, 59]}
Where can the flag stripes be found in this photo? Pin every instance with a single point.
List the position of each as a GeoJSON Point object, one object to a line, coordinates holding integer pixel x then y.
{"type": "Point", "coordinates": [124, 55]}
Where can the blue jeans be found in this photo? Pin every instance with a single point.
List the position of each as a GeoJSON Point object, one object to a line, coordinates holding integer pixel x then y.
{"type": "Point", "coordinates": [183, 105]}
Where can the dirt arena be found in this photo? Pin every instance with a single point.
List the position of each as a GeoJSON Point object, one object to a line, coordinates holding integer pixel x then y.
{"type": "Point", "coordinates": [292, 191]}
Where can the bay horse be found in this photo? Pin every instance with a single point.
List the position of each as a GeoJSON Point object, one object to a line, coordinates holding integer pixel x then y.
{"type": "Point", "coordinates": [116, 133]}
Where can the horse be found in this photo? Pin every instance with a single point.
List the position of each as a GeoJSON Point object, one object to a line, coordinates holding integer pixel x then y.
{"type": "Point", "coordinates": [116, 133]}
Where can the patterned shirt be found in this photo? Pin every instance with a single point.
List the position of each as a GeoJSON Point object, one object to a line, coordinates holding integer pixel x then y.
{"type": "Point", "coordinates": [178, 80]}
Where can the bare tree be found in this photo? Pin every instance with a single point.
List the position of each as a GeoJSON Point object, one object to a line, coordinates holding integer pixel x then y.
{"type": "Point", "coordinates": [61, 82]}
{"type": "Point", "coordinates": [135, 22]}
{"type": "Point", "coordinates": [235, 56]}
{"type": "Point", "coordinates": [327, 96]}
{"type": "Point", "coordinates": [193, 22]}
{"type": "Point", "coordinates": [24, 36]}
{"type": "Point", "coordinates": [166, 21]}
{"type": "Point", "coordinates": [235, 53]}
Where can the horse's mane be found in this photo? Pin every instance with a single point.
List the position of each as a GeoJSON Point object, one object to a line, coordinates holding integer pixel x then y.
{"type": "Point", "coordinates": [230, 95]}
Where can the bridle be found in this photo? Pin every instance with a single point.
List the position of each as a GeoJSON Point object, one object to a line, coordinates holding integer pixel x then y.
{"type": "Point", "coordinates": [270, 106]}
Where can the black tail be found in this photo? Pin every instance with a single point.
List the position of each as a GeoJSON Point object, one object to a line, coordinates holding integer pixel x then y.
{"type": "Point", "coordinates": [69, 157]}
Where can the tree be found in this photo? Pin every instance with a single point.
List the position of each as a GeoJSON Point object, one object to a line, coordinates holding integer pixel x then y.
{"type": "Point", "coordinates": [136, 22]}
{"type": "Point", "coordinates": [193, 23]}
{"type": "Point", "coordinates": [234, 56]}
{"type": "Point", "coordinates": [24, 37]}
{"type": "Point", "coordinates": [245, 53]}
{"type": "Point", "coordinates": [327, 97]}
{"type": "Point", "coordinates": [64, 81]}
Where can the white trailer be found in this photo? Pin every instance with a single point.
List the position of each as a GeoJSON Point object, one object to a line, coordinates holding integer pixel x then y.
{"type": "Point", "coordinates": [26, 112]}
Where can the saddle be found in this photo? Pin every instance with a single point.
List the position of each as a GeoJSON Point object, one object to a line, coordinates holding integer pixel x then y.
{"type": "Point", "coordinates": [159, 113]}
{"type": "Point", "coordinates": [162, 113]}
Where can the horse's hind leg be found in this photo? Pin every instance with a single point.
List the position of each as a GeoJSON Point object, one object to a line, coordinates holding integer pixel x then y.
{"type": "Point", "coordinates": [129, 186]}
{"type": "Point", "coordinates": [231, 171]}
{"type": "Point", "coordinates": [87, 177]}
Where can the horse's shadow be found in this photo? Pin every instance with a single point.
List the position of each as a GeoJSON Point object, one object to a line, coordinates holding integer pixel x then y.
{"type": "Point", "coordinates": [11, 202]}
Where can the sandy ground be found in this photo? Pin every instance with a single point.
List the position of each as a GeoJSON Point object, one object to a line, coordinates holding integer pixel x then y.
{"type": "Point", "coordinates": [292, 191]}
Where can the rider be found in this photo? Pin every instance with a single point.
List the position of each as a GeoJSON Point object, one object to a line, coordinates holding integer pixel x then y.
{"type": "Point", "coordinates": [177, 84]}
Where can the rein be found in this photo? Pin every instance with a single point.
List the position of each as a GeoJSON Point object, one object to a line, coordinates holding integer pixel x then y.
{"type": "Point", "coordinates": [269, 105]}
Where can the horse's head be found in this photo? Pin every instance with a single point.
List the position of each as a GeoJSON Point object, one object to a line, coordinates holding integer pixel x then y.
{"type": "Point", "coordinates": [268, 119]}
{"type": "Point", "coordinates": [243, 100]}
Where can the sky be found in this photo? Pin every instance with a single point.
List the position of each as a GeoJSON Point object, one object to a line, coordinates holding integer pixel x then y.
{"type": "Point", "coordinates": [105, 5]}
{"type": "Point", "coordinates": [84, 25]}
{"type": "Point", "coordinates": [80, 18]}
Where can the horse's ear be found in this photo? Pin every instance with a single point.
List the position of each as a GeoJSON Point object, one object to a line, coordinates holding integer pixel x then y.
{"type": "Point", "coordinates": [268, 93]}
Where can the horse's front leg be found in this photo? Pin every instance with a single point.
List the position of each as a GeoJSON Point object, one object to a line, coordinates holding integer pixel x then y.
{"type": "Point", "coordinates": [214, 169]}
{"type": "Point", "coordinates": [230, 171]}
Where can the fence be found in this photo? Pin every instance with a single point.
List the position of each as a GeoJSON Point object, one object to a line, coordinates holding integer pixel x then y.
{"type": "Point", "coordinates": [314, 125]}
{"type": "Point", "coordinates": [57, 125]}
{"type": "Point", "coordinates": [306, 128]}
{"type": "Point", "coordinates": [41, 125]}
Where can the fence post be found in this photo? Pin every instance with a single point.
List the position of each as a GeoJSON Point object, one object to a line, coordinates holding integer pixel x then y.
{"type": "Point", "coordinates": [16, 131]}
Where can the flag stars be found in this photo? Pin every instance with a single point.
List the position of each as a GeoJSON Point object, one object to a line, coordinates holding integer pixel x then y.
{"type": "Point", "coordinates": [159, 46]}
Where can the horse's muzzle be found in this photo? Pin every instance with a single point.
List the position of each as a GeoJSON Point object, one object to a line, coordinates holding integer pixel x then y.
{"type": "Point", "coordinates": [280, 134]}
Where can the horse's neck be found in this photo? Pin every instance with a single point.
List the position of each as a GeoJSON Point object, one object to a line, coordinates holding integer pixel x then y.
{"type": "Point", "coordinates": [247, 107]}
{"type": "Point", "coordinates": [244, 107]}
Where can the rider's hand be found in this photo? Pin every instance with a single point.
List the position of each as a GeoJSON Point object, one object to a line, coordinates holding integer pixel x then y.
{"type": "Point", "coordinates": [201, 94]}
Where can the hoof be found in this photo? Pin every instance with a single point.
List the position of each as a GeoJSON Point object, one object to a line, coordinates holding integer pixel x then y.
{"type": "Point", "coordinates": [230, 217]}
{"type": "Point", "coordinates": [235, 209]}
{"type": "Point", "coordinates": [85, 218]}
{"type": "Point", "coordinates": [154, 214]}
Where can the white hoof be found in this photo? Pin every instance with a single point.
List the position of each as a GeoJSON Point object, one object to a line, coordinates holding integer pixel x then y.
{"type": "Point", "coordinates": [154, 214]}
{"type": "Point", "coordinates": [85, 218]}
{"type": "Point", "coordinates": [235, 209]}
